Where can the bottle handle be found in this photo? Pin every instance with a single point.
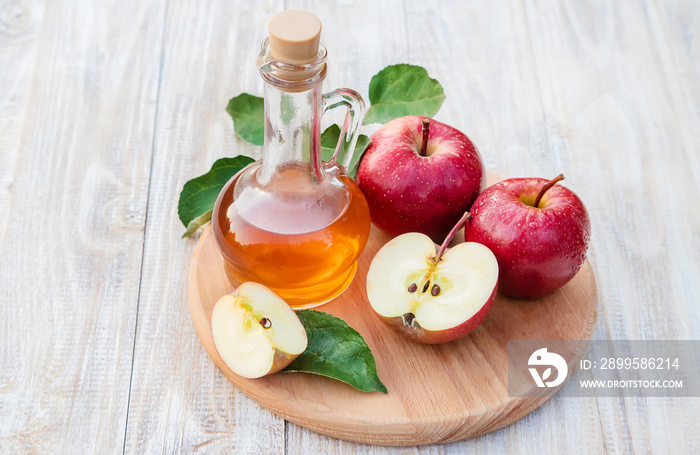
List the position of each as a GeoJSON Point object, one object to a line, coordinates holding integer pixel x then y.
{"type": "Point", "coordinates": [350, 131]}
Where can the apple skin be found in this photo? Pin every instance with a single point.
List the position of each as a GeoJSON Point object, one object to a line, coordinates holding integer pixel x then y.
{"type": "Point", "coordinates": [420, 335]}
{"type": "Point", "coordinates": [281, 360]}
{"type": "Point", "coordinates": [407, 192]}
{"type": "Point", "coordinates": [538, 250]}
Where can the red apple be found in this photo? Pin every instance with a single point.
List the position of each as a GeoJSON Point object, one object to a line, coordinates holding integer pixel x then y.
{"type": "Point", "coordinates": [420, 175]}
{"type": "Point", "coordinates": [432, 297]}
{"type": "Point", "coordinates": [539, 232]}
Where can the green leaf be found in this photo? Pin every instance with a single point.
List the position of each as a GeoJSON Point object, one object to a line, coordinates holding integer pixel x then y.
{"type": "Point", "coordinates": [198, 222]}
{"type": "Point", "coordinates": [248, 113]}
{"type": "Point", "coordinates": [329, 139]}
{"type": "Point", "coordinates": [336, 351]}
{"type": "Point", "coordinates": [362, 143]}
{"type": "Point", "coordinates": [400, 90]}
{"type": "Point", "coordinates": [199, 194]}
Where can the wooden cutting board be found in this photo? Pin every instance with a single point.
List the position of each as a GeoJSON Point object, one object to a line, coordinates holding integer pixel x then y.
{"type": "Point", "coordinates": [437, 394]}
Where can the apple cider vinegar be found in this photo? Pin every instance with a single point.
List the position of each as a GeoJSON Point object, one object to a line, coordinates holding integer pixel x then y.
{"type": "Point", "coordinates": [307, 256]}
{"type": "Point", "coordinates": [291, 221]}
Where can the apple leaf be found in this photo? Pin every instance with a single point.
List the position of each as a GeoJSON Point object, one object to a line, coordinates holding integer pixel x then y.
{"type": "Point", "coordinates": [400, 90]}
{"type": "Point", "coordinates": [197, 223]}
{"type": "Point", "coordinates": [336, 351]}
{"type": "Point", "coordinates": [248, 113]}
{"type": "Point", "coordinates": [199, 194]}
{"type": "Point", "coordinates": [329, 139]}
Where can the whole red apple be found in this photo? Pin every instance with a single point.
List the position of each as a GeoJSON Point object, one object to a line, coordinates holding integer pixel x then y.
{"type": "Point", "coordinates": [420, 175]}
{"type": "Point", "coordinates": [539, 232]}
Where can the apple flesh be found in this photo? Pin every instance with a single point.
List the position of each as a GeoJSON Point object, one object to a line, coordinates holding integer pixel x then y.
{"type": "Point", "coordinates": [539, 247]}
{"type": "Point", "coordinates": [432, 296]}
{"type": "Point", "coordinates": [256, 332]}
{"type": "Point", "coordinates": [420, 175]}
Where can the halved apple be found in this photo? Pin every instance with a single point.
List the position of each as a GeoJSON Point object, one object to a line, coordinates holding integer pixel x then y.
{"type": "Point", "coordinates": [432, 296]}
{"type": "Point", "coordinates": [255, 331]}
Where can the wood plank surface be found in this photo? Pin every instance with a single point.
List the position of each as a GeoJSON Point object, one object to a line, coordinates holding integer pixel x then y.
{"type": "Point", "coordinates": [80, 96]}
{"type": "Point", "coordinates": [615, 126]}
{"type": "Point", "coordinates": [179, 402]}
{"type": "Point", "coordinates": [107, 108]}
{"type": "Point", "coordinates": [18, 55]}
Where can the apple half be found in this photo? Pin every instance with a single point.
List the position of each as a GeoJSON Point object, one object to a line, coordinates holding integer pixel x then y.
{"type": "Point", "coordinates": [432, 296]}
{"type": "Point", "coordinates": [255, 331]}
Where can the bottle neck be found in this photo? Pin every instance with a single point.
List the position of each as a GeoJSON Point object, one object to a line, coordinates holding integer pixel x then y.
{"type": "Point", "coordinates": [292, 131]}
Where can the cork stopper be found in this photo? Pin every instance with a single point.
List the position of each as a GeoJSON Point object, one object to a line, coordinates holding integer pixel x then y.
{"type": "Point", "coordinates": [294, 37]}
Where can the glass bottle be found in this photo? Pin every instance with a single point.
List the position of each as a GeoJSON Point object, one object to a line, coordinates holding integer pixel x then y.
{"type": "Point", "coordinates": [291, 221]}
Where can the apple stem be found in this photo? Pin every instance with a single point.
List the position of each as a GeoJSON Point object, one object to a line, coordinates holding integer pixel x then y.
{"type": "Point", "coordinates": [426, 133]}
{"type": "Point", "coordinates": [546, 187]}
{"type": "Point", "coordinates": [451, 235]}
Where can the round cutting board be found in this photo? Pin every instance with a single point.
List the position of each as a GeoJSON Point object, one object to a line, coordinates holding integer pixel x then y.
{"type": "Point", "coordinates": [438, 393]}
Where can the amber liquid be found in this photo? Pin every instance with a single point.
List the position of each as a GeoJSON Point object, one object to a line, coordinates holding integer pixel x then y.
{"type": "Point", "coordinates": [299, 252]}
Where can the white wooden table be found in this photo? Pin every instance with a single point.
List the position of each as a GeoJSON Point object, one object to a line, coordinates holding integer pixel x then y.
{"type": "Point", "coordinates": [108, 107]}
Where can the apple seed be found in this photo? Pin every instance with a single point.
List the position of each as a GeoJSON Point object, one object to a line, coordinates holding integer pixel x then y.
{"type": "Point", "coordinates": [412, 288]}
{"type": "Point", "coordinates": [427, 285]}
{"type": "Point", "coordinates": [435, 291]}
{"type": "Point", "coordinates": [266, 323]}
